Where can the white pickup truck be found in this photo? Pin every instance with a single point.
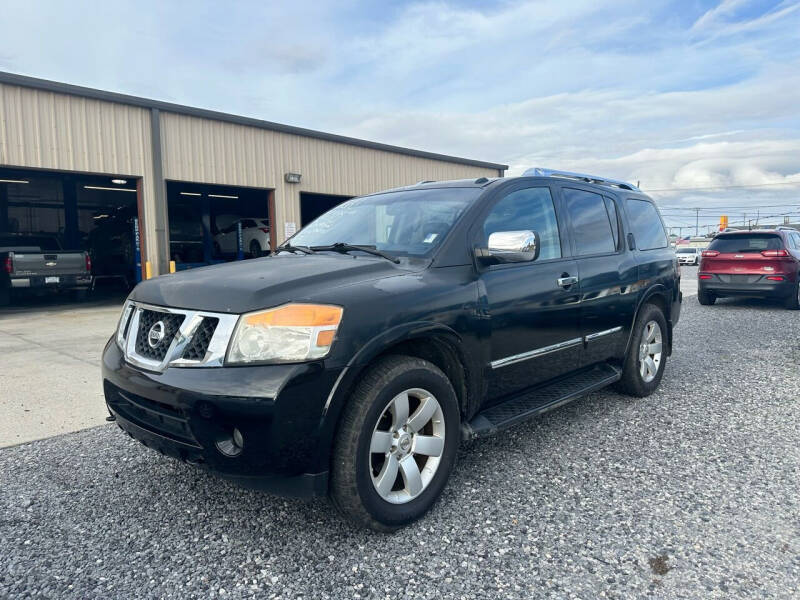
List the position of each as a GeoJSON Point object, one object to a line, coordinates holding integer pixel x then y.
{"type": "Point", "coordinates": [36, 263]}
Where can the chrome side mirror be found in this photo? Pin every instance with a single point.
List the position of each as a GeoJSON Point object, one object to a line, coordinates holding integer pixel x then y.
{"type": "Point", "coordinates": [514, 246]}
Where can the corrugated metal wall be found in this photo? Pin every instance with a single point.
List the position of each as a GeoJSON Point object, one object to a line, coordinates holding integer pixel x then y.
{"type": "Point", "coordinates": [44, 130]}
{"type": "Point", "coordinates": [48, 130]}
{"type": "Point", "coordinates": [208, 151]}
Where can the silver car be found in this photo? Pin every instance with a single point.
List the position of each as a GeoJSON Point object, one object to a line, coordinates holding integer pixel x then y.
{"type": "Point", "coordinates": [688, 256]}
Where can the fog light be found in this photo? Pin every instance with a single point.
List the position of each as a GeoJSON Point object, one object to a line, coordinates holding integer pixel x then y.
{"type": "Point", "coordinates": [231, 446]}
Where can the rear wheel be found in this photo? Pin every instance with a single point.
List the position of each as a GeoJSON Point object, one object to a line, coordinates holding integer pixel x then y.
{"type": "Point", "coordinates": [255, 249]}
{"type": "Point", "coordinates": [647, 356]}
{"type": "Point", "coordinates": [706, 298]}
{"type": "Point", "coordinates": [793, 300]}
{"type": "Point", "coordinates": [396, 444]}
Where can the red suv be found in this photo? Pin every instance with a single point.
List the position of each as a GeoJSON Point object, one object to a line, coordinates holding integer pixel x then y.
{"type": "Point", "coordinates": [763, 263]}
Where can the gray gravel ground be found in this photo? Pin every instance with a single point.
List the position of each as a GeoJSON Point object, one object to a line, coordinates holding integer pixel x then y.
{"type": "Point", "coordinates": [692, 493]}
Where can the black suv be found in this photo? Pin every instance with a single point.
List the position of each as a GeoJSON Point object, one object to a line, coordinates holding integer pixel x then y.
{"type": "Point", "coordinates": [354, 360]}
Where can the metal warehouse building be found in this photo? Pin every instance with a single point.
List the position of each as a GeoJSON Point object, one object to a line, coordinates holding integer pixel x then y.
{"type": "Point", "coordinates": [98, 170]}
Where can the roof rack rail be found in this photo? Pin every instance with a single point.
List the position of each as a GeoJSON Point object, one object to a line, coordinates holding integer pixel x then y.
{"type": "Point", "coordinates": [539, 172]}
{"type": "Point", "coordinates": [425, 181]}
{"type": "Point", "coordinates": [785, 228]}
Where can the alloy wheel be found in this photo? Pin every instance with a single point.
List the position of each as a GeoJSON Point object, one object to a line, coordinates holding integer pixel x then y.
{"type": "Point", "coordinates": [650, 351]}
{"type": "Point", "coordinates": [406, 445]}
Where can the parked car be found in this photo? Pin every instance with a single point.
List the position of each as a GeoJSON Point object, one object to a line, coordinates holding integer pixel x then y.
{"type": "Point", "coordinates": [355, 360]}
{"type": "Point", "coordinates": [255, 237]}
{"type": "Point", "coordinates": [688, 255]}
{"type": "Point", "coordinates": [761, 263]}
{"type": "Point", "coordinates": [37, 264]}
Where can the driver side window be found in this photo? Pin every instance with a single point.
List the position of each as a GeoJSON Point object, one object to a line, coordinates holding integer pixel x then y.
{"type": "Point", "coordinates": [528, 209]}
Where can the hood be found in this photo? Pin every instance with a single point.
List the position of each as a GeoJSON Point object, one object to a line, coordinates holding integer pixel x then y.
{"type": "Point", "coordinates": [254, 284]}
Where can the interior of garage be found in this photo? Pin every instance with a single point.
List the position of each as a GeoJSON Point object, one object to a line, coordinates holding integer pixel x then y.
{"type": "Point", "coordinates": [75, 211]}
{"type": "Point", "coordinates": [313, 205]}
{"type": "Point", "coordinates": [209, 224]}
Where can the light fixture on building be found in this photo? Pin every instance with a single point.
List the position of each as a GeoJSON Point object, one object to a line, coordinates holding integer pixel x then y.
{"type": "Point", "coordinates": [14, 181]}
{"type": "Point", "coordinates": [119, 181]}
{"type": "Point", "coordinates": [190, 194]}
{"type": "Point", "coordinates": [292, 177]}
{"type": "Point", "coordinates": [223, 196]}
{"type": "Point", "coordinates": [107, 189]}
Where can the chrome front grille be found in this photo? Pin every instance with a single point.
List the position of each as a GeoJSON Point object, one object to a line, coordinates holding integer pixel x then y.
{"type": "Point", "coordinates": [157, 337]}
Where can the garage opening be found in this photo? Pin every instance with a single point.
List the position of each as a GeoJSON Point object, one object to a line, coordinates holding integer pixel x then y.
{"type": "Point", "coordinates": [65, 214]}
{"type": "Point", "coordinates": [209, 224]}
{"type": "Point", "coordinates": [313, 205]}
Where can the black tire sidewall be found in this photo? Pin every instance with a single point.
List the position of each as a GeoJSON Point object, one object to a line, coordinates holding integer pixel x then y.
{"type": "Point", "coordinates": [649, 313]}
{"type": "Point", "coordinates": [255, 249]}
{"type": "Point", "coordinates": [434, 381]}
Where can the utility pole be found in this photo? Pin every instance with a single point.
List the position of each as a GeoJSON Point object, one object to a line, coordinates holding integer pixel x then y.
{"type": "Point", "coordinates": [697, 222]}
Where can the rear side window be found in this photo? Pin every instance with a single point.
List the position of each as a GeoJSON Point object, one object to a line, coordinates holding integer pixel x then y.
{"type": "Point", "coordinates": [795, 237]}
{"type": "Point", "coordinates": [745, 242]}
{"type": "Point", "coordinates": [528, 209]}
{"type": "Point", "coordinates": [591, 225]}
{"type": "Point", "coordinates": [645, 225]}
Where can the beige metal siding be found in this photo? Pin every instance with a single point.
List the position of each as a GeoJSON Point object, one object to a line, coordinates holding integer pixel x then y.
{"type": "Point", "coordinates": [50, 130]}
{"type": "Point", "coordinates": [44, 130]}
{"type": "Point", "coordinates": [207, 151]}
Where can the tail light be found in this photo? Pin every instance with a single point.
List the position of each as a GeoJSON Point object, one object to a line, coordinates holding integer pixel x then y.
{"type": "Point", "coordinates": [264, 229]}
{"type": "Point", "coordinates": [774, 253]}
{"type": "Point", "coordinates": [704, 276]}
{"type": "Point", "coordinates": [710, 253]}
{"type": "Point", "coordinates": [775, 277]}
{"type": "Point", "coordinates": [88, 262]}
{"type": "Point", "coordinates": [10, 263]}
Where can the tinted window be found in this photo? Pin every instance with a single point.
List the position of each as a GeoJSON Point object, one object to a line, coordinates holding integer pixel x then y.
{"type": "Point", "coordinates": [248, 224]}
{"type": "Point", "coordinates": [529, 209]}
{"type": "Point", "coordinates": [591, 227]}
{"type": "Point", "coordinates": [796, 239]}
{"type": "Point", "coordinates": [646, 225]}
{"type": "Point", "coordinates": [611, 208]}
{"type": "Point", "coordinates": [745, 242]}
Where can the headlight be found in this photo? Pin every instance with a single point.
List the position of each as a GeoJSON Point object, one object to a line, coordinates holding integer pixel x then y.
{"type": "Point", "coordinates": [122, 326]}
{"type": "Point", "coordinates": [290, 333]}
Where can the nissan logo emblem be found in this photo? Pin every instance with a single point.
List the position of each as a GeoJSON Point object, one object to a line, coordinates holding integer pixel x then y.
{"type": "Point", "coordinates": [156, 334]}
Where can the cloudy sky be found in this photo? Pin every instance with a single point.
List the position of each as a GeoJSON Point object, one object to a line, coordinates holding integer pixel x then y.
{"type": "Point", "coordinates": [677, 95]}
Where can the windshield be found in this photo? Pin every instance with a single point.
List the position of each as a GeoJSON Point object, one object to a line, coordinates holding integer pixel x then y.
{"type": "Point", "coordinates": [747, 242]}
{"type": "Point", "coordinates": [686, 251]}
{"type": "Point", "coordinates": [406, 223]}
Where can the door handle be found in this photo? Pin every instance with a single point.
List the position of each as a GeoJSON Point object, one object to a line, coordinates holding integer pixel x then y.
{"type": "Point", "coordinates": [566, 281]}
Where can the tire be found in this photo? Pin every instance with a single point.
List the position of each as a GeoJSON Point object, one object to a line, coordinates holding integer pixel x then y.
{"type": "Point", "coordinates": [706, 298]}
{"type": "Point", "coordinates": [357, 468]}
{"type": "Point", "coordinates": [79, 295]}
{"type": "Point", "coordinates": [634, 382]}
{"type": "Point", "coordinates": [255, 249]}
{"type": "Point", "coordinates": [792, 302]}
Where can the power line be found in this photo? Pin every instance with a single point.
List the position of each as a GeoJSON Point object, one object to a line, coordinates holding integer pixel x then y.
{"type": "Point", "coordinates": [728, 207]}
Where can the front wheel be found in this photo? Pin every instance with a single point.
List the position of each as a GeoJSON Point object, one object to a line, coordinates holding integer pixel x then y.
{"type": "Point", "coordinates": [647, 356]}
{"type": "Point", "coordinates": [396, 444]}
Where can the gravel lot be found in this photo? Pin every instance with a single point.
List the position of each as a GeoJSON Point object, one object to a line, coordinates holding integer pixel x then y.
{"type": "Point", "coordinates": [692, 492]}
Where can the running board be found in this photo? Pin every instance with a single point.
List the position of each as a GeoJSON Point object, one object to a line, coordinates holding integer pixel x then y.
{"type": "Point", "coordinates": [538, 401]}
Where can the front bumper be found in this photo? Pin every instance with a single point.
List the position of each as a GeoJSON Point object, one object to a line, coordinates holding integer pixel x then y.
{"type": "Point", "coordinates": [280, 411]}
{"type": "Point", "coordinates": [760, 286]}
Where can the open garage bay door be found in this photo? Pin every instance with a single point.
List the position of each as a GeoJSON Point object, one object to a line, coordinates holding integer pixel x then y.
{"type": "Point", "coordinates": [313, 205]}
{"type": "Point", "coordinates": [210, 224]}
{"type": "Point", "coordinates": [62, 213]}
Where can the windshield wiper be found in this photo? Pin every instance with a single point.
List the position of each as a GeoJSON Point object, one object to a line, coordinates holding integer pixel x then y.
{"type": "Point", "coordinates": [345, 247]}
{"type": "Point", "coordinates": [294, 249]}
